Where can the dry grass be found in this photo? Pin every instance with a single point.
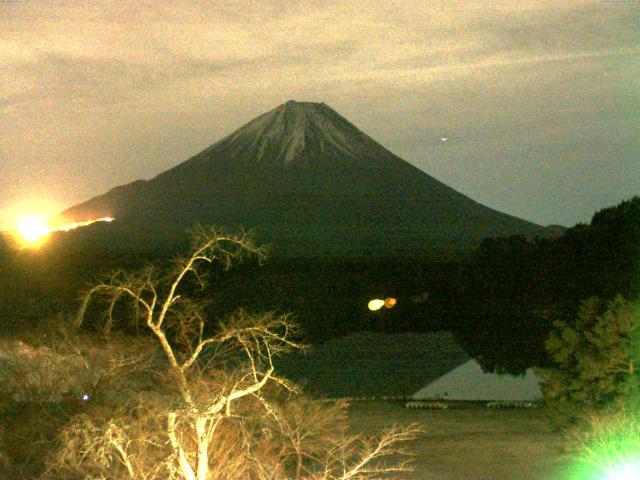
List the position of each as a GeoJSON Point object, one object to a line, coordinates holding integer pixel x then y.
{"type": "Point", "coordinates": [473, 443]}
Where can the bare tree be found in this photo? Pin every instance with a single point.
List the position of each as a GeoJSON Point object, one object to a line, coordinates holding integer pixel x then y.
{"type": "Point", "coordinates": [221, 421]}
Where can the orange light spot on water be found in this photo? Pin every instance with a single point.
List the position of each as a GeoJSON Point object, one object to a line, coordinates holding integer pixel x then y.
{"type": "Point", "coordinates": [390, 302]}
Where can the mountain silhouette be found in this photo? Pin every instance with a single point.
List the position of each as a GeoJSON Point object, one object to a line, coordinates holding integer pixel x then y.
{"type": "Point", "coordinates": [310, 183]}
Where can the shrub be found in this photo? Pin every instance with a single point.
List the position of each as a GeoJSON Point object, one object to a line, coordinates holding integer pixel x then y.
{"type": "Point", "coordinates": [595, 360]}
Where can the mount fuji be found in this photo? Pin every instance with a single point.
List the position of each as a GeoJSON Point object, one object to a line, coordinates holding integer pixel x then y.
{"type": "Point", "coordinates": [307, 181]}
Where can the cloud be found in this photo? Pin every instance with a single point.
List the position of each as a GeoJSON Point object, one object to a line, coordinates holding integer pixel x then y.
{"type": "Point", "coordinates": [96, 49]}
{"type": "Point", "coordinates": [499, 76]}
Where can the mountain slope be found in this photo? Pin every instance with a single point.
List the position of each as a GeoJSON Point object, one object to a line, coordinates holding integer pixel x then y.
{"type": "Point", "coordinates": [306, 179]}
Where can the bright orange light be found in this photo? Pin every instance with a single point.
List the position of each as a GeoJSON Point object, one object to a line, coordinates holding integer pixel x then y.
{"type": "Point", "coordinates": [390, 302]}
{"type": "Point", "coordinates": [33, 230]}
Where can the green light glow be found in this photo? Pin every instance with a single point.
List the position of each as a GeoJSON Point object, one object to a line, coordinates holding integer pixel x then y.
{"type": "Point", "coordinates": [615, 458]}
{"type": "Point", "coordinates": [607, 445]}
{"type": "Point", "coordinates": [627, 471]}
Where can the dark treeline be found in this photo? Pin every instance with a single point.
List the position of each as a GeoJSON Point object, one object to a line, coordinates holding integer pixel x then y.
{"type": "Point", "coordinates": [514, 288]}
{"type": "Point", "coordinates": [500, 301]}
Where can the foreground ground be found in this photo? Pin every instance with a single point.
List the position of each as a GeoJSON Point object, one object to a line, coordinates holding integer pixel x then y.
{"type": "Point", "coordinates": [472, 443]}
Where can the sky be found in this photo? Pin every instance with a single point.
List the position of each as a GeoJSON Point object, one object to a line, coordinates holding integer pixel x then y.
{"type": "Point", "coordinates": [539, 101]}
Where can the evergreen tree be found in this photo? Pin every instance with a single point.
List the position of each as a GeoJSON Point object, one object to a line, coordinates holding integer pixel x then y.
{"type": "Point", "coordinates": [596, 359]}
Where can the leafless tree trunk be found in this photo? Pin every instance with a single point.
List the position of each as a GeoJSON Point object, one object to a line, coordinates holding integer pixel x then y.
{"type": "Point", "coordinates": [192, 424]}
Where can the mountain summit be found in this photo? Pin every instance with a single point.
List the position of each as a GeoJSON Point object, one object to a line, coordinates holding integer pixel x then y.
{"type": "Point", "coordinates": [294, 135]}
{"type": "Point", "coordinates": [298, 132]}
{"type": "Point", "coordinates": [307, 180]}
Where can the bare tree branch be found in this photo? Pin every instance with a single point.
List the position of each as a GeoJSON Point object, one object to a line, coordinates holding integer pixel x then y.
{"type": "Point", "coordinates": [215, 426]}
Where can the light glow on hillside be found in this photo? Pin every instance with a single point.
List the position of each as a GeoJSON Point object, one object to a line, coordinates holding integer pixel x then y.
{"type": "Point", "coordinates": [33, 230]}
{"type": "Point", "coordinates": [74, 225]}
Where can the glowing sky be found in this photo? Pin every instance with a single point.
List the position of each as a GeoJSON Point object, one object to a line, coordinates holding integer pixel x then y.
{"type": "Point", "coordinates": [539, 101]}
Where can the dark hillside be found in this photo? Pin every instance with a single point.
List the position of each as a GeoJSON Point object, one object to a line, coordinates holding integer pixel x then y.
{"type": "Point", "coordinates": [306, 180]}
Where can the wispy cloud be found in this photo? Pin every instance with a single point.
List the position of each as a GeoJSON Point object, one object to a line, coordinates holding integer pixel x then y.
{"type": "Point", "coordinates": [405, 70]}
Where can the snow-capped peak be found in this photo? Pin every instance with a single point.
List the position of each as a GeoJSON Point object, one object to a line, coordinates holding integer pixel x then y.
{"type": "Point", "coordinates": [282, 135]}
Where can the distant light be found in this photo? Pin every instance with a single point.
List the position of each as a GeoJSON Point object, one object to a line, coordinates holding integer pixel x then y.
{"type": "Point", "coordinates": [375, 304]}
{"type": "Point", "coordinates": [390, 302]}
